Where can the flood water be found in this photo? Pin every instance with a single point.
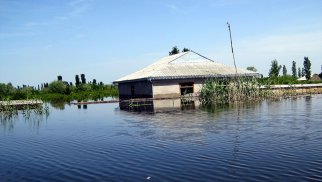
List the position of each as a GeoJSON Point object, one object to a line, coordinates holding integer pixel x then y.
{"type": "Point", "coordinates": [265, 141]}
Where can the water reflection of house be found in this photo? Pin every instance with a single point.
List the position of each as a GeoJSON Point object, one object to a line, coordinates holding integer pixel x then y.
{"type": "Point", "coordinates": [174, 76]}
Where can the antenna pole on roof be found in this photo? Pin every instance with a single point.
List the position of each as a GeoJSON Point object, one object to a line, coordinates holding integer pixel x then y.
{"type": "Point", "coordinates": [231, 44]}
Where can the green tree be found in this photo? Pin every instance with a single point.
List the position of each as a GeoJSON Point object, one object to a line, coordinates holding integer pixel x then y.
{"type": "Point", "coordinates": [275, 69]}
{"type": "Point", "coordinates": [185, 50]}
{"type": "Point", "coordinates": [303, 72]}
{"type": "Point", "coordinates": [6, 90]}
{"type": "Point", "coordinates": [59, 78]}
{"type": "Point", "coordinates": [251, 68]}
{"type": "Point", "coordinates": [83, 78]}
{"type": "Point", "coordinates": [77, 82]}
{"type": "Point", "coordinates": [174, 51]}
{"type": "Point", "coordinates": [85, 87]}
{"type": "Point", "coordinates": [299, 72]}
{"type": "Point", "coordinates": [284, 70]}
{"type": "Point", "coordinates": [294, 74]}
{"type": "Point", "coordinates": [307, 68]}
{"type": "Point", "coordinates": [57, 87]}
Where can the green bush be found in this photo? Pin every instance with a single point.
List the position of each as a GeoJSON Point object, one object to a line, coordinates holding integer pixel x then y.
{"type": "Point", "coordinates": [57, 87]}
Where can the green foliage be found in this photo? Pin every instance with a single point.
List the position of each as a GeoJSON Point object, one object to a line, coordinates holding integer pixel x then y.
{"type": "Point", "coordinates": [174, 51]}
{"type": "Point", "coordinates": [287, 79]}
{"type": "Point", "coordinates": [59, 78]}
{"type": "Point", "coordinates": [57, 87]}
{"type": "Point", "coordinates": [294, 74]}
{"type": "Point", "coordinates": [275, 69]}
{"type": "Point", "coordinates": [299, 73]}
{"type": "Point", "coordinates": [307, 68]}
{"type": "Point", "coordinates": [185, 50]}
{"type": "Point", "coordinates": [77, 82]}
{"type": "Point", "coordinates": [284, 70]}
{"type": "Point", "coordinates": [83, 78]}
{"type": "Point", "coordinates": [251, 68]}
{"type": "Point", "coordinates": [84, 87]}
{"type": "Point", "coordinates": [6, 90]}
{"type": "Point", "coordinates": [303, 72]}
{"type": "Point", "coordinates": [226, 91]}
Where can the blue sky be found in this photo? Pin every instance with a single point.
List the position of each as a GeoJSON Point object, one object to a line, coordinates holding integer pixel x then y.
{"type": "Point", "coordinates": [107, 39]}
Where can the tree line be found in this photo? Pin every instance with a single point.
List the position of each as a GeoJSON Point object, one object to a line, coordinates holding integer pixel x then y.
{"type": "Point", "coordinates": [299, 72]}
{"type": "Point", "coordinates": [59, 88]}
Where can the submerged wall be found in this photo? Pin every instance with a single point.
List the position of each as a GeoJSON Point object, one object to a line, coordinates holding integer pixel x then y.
{"type": "Point", "coordinates": [131, 90]}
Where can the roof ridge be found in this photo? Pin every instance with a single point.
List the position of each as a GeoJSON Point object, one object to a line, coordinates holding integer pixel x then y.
{"type": "Point", "coordinates": [179, 56]}
{"type": "Point", "coordinates": [202, 56]}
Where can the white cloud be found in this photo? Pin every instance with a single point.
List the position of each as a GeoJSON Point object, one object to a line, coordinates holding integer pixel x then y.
{"type": "Point", "coordinates": [285, 48]}
{"type": "Point", "coordinates": [260, 51]}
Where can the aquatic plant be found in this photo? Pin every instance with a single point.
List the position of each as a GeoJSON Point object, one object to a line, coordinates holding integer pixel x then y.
{"type": "Point", "coordinates": [225, 91]}
{"type": "Point", "coordinates": [10, 112]}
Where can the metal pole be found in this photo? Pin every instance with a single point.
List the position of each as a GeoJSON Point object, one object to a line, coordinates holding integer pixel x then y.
{"type": "Point", "coordinates": [231, 44]}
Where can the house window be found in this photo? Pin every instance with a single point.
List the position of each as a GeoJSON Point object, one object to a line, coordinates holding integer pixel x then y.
{"type": "Point", "coordinates": [186, 88]}
{"type": "Point", "coordinates": [132, 90]}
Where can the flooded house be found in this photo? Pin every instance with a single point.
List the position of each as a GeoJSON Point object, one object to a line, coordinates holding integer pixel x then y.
{"type": "Point", "coordinates": [175, 76]}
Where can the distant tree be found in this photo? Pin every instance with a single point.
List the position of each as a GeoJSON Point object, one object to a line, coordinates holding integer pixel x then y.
{"type": "Point", "coordinates": [57, 87]}
{"type": "Point", "coordinates": [303, 72]}
{"type": "Point", "coordinates": [68, 89]}
{"type": "Point", "coordinates": [94, 81]}
{"type": "Point", "coordinates": [59, 78]}
{"type": "Point", "coordinates": [294, 74]}
{"type": "Point", "coordinates": [101, 84]}
{"type": "Point", "coordinates": [84, 87]}
{"type": "Point", "coordinates": [185, 50]}
{"type": "Point", "coordinates": [307, 68]}
{"type": "Point", "coordinates": [174, 51]}
{"type": "Point", "coordinates": [275, 69]}
{"type": "Point", "coordinates": [83, 78]}
{"type": "Point", "coordinates": [284, 70]}
{"type": "Point", "coordinates": [77, 82]}
{"type": "Point", "coordinates": [251, 68]}
{"type": "Point", "coordinates": [6, 90]}
{"type": "Point", "coordinates": [299, 72]}
{"type": "Point", "coordinates": [71, 83]}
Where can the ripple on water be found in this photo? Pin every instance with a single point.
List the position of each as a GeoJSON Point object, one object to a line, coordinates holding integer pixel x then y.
{"type": "Point", "coordinates": [268, 141]}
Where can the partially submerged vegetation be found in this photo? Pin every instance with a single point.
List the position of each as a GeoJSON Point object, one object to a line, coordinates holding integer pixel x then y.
{"type": "Point", "coordinates": [224, 91]}
{"type": "Point", "coordinates": [10, 112]}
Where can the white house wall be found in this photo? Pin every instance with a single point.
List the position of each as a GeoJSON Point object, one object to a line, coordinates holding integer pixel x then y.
{"type": "Point", "coordinates": [171, 88]}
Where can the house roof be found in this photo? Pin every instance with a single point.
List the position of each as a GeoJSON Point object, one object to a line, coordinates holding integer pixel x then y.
{"type": "Point", "coordinates": [185, 65]}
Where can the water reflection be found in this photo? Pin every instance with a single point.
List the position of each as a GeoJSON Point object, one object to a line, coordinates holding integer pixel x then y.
{"type": "Point", "coordinates": [33, 116]}
{"type": "Point", "coordinates": [161, 105]}
{"type": "Point", "coordinates": [262, 141]}
{"type": "Point", "coordinates": [58, 104]}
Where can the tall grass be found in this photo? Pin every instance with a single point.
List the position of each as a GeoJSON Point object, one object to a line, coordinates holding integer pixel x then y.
{"type": "Point", "coordinates": [231, 90]}
{"type": "Point", "coordinates": [9, 113]}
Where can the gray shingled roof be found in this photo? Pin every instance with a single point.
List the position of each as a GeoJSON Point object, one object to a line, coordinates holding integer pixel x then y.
{"type": "Point", "coordinates": [185, 65]}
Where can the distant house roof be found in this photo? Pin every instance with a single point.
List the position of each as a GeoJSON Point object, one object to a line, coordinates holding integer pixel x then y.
{"type": "Point", "coordinates": [185, 65]}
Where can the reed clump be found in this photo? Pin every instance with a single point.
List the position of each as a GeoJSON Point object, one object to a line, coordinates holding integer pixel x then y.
{"type": "Point", "coordinates": [231, 90]}
{"type": "Point", "coordinates": [10, 112]}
